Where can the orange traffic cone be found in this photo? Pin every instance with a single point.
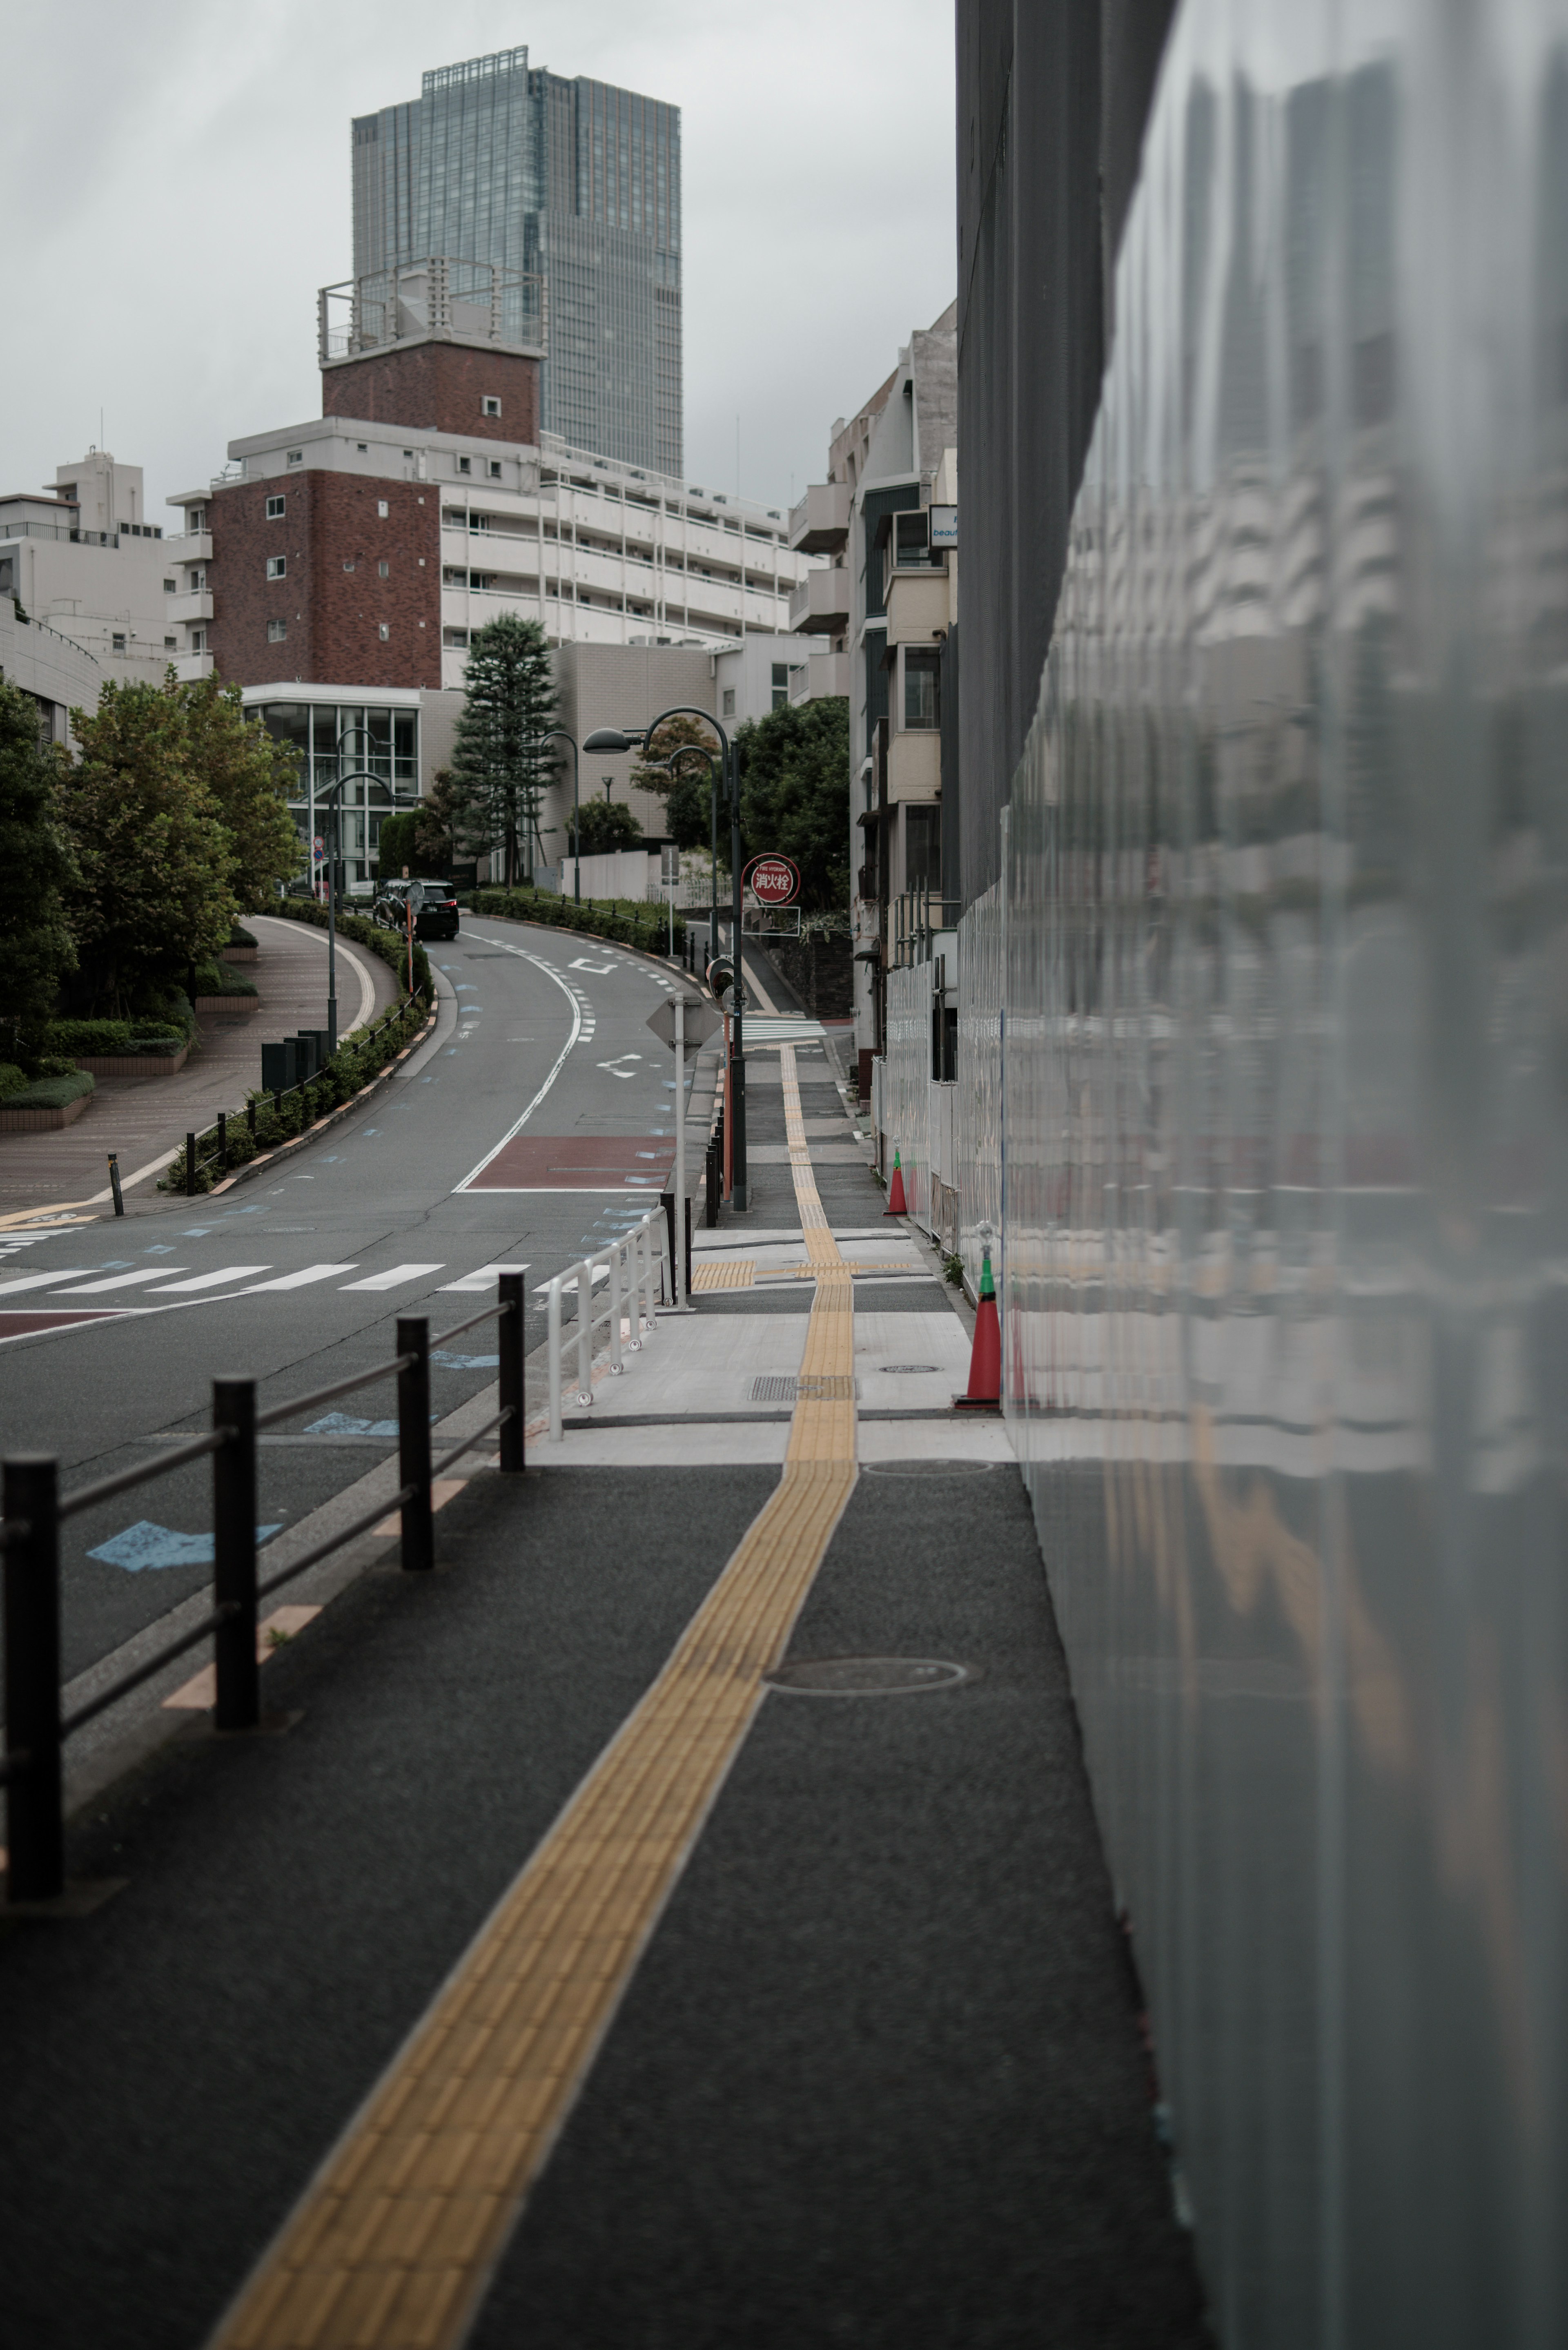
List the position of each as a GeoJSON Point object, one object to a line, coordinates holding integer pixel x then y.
{"type": "Point", "coordinates": [985, 1359]}
{"type": "Point", "coordinates": [897, 1203]}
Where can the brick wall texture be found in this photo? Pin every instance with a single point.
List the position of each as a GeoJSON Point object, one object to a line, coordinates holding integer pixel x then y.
{"type": "Point", "coordinates": [438, 388]}
{"type": "Point", "coordinates": [332, 597]}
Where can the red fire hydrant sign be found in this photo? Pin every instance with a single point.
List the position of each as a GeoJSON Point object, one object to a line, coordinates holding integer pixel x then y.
{"type": "Point", "coordinates": [772, 880]}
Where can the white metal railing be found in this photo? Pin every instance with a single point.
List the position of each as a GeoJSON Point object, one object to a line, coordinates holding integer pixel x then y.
{"type": "Point", "coordinates": [644, 1251]}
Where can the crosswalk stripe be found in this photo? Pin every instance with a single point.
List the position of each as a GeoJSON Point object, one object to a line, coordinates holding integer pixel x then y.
{"type": "Point", "coordinates": [124, 1280]}
{"type": "Point", "coordinates": [209, 1280]}
{"type": "Point", "coordinates": [302, 1279]}
{"type": "Point", "coordinates": [483, 1279]}
{"type": "Point", "coordinates": [390, 1279]}
{"type": "Point", "coordinates": [46, 1279]}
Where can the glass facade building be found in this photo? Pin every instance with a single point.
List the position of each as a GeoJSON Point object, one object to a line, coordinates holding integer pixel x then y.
{"type": "Point", "coordinates": [574, 179]}
{"type": "Point", "coordinates": [383, 741]}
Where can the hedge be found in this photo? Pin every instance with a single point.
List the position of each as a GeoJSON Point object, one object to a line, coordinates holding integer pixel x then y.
{"type": "Point", "coordinates": [102, 1039]}
{"type": "Point", "coordinates": [51, 1093]}
{"type": "Point", "coordinates": [630, 921]}
{"type": "Point", "coordinates": [240, 937]}
{"type": "Point", "coordinates": [12, 1079]}
{"type": "Point", "coordinates": [218, 979]}
{"type": "Point", "coordinates": [391, 945]}
{"type": "Point", "coordinates": [358, 1059]}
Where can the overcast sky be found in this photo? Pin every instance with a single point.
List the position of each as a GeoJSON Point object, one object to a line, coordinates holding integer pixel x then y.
{"type": "Point", "coordinates": [175, 184]}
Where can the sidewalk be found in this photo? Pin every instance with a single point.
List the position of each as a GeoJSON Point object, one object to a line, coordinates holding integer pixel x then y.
{"type": "Point", "coordinates": [844, 2048]}
{"type": "Point", "coordinates": [146, 1119]}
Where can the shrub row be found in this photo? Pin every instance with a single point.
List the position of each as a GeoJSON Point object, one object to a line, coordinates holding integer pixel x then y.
{"type": "Point", "coordinates": [240, 937]}
{"type": "Point", "coordinates": [392, 948]}
{"type": "Point", "coordinates": [12, 1079]}
{"type": "Point", "coordinates": [358, 1058]}
{"type": "Point", "coordinates": [222, 979]}
{"type": "Point", "coordinates": [628, 920]}
{"type": "Point", "coordinates": [54, 1090]}
{"type": "Point", "coordinates": [104, 1038]}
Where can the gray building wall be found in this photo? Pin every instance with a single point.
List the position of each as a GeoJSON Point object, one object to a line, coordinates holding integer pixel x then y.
{"type": "Point", "coordinates": [576, 179]}
{"type": "Point", "coordinates": [1051, 105]}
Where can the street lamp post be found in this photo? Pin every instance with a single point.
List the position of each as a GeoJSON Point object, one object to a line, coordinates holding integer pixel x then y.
{"type": "Point", "coordinates": [559, 734]}
{"type": "Point", "coordinates": [618, 738]}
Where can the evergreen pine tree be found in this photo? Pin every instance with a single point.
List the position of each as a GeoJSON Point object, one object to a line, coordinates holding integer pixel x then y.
{"type": "Point", "coordinates": [36, 945]}
{"type": "Point", "coordinates": [500, 764]}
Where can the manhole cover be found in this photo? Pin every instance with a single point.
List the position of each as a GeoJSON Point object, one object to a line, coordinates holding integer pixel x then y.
{"type": "Point", "coordinates": [893, 1369]}
{"type": "Point", "coordinates": [867, 1676]}
{"type": "Point", "coordinates": [927, 1468]}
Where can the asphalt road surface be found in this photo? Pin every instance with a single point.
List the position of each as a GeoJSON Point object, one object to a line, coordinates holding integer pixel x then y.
{"type": "Point", "coordinates": [538, 1124]}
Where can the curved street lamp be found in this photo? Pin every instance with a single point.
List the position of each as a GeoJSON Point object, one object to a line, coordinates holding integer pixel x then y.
{"type": "Point", "coordinates": [559, 734]}
{"type": "Point", "coordinates": [627, 738]}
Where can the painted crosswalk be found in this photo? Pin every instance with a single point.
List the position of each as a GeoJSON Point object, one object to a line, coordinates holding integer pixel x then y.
{"type": "Point", "coordinates": [394, 1277]}
{"type": "Point", "coordinates": [208, 1279]}
{"type": "Point", "coordinates": [483, 1279]}
{"type": "Point", "coordinates": [303, 1279]}
{"type": "Point", "coordinates": [59, 1300]}
{"type": "Point", "coordinates": [124, 1280]}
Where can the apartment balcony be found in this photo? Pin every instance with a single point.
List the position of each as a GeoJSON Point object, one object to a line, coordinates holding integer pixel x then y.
{"type": "Point", "coordinates": [819, 525]}
{"type": "Point", "coordinates": [915, 765]}
{"type": "Point", "coordinates": [188, 547]}
{"type": "Point", "coordinates": [819, 607]}
{"type": "Point", "coordinates": [918, 606]}
{"type": "Point", "coordinates": [193, 605]}
{"type": "Point", "coordinates": [820, 676]}
{"type": "Point", "coordinates": [191, 667]}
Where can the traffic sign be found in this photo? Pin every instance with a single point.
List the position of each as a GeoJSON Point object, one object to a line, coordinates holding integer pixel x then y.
{"type": "Point", "coordinates": [772, 880]}
{"type": "Point", "coordinates": [700, 1023]}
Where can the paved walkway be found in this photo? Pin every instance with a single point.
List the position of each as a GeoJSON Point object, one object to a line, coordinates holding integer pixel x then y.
{"type": "Point", "coordinates": [146, 1119]}
{"type": "Point", "coordinates": [591, 1963]}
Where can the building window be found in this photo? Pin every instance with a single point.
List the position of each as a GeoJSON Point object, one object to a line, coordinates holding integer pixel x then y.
{"type": "Point", "coordinates": [923, 849]}
{"type": "Point", "coordinates": [729, 710]}
{"type": "Point", "coordinates": [295, 457]}
{"type": "Point", "coordinates": [170, 587]}
{"type": "Point", "coordinates": [278, 632]}
{"type": "Point", "coordinates": [465, 464]}
{"type": "Point", "coordinates": [385, 633]}
{"type": "Point", "coordinates": [275, 509]}
{"type": "Point", "coordinates": [781, 685]}
{"type": "Point", "coordinates": [922, 699]}
{"type": "Point", "coordinates": [276, 567]}
{"type": "Point", "coordinates": [490, 404]}
{"type": "Point", "coordinates": [118, 640]}
{"type": "Point", "coordinates": [456, 638]}
{"type": "Point", "coordinates": [170, 644]}
{"type": "Point", "coordinates": [496, 469]}
{"type": "Point", "coordinates": [363, 447]}
{"type": "Point", "coordinates": [195, 518]}
{"type": "Point", "coordinates": [382, 508]}
{"type": "Point", "coordinates": [198, 640]}
{"type": "Point", "coordinates": [385, 569]}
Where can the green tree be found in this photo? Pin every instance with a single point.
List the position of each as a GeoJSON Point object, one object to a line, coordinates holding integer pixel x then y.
{"type": "Point", "coordinates": [606, 825]}
{"type": "Point", "coordinates": [687, 793]}
{"type": "Point", "coordinates": [795, 793]}
{"type": "Point", "coordinates": [500, 766]}
{"type": "Point", "coordinates": [444, 831]}
{"type": "Point", "coordinates": [396, 851]}
{"type": "Point", "coordinates": [35, 866]}
{"type": "Point", "coordinates": [154, 857]}
{"type": "Point", "coordinates": [249, 776]}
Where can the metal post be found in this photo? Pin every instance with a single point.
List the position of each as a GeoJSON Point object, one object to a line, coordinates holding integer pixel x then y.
{"type": "Point", "coordinates": [511, 1446]}
{"type": "Point", "coordinates": [616, 1366]}
{"type": "Point", "coordinates": [414, 1443]}
{"type": "Point", "coordinates": [224, 1140]}
{"type": "Point", "coordinates": [680, 1130]}
{"type": "Point", "coordinates": [36, 1840]}
{"type": "Point", "coordinates": [666, 1270]}
{"type": "Point", "coordinates": [585, 1333]}
{"type": "Point", "coordinates": [332, 924]}
{"type": "Point", "coordinates": [738, 1091]}
{"type": "Point", "coordinates": [554, 1351]}
{"type": "Point", "coordinates": [114, 1183]}
{"type": "Point", "coordinates": [190, 1166]}
{"type": "Point", "coordinates": [235, 1556]}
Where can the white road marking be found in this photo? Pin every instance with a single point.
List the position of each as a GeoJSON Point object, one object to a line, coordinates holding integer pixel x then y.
{"type": "Point", "coordinates": [45, 1280]}
{"type": "Point", "coordinates": [125, 1280]}
{"type": "Point", "coordinates": [599, 969]}
{"type": "Point", "coordinates": [208, 1279]}
{"type": "Point", "coordinates": [557, 1065]}
{"type": "Point", "coordinates": [301, 1280]}
{"type": "Point", "coordinates": [483, 1279]}
{"type": "Point", "coordinates": [396, 1274]}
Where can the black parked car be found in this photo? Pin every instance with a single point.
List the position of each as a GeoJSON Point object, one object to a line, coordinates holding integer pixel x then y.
{"type": "Point", "coordinates": [434, 904]}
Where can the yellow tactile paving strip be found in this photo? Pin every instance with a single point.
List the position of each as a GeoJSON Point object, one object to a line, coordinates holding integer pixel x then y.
{"type": "Point", "coordinates": [392, 2244]}
{"type": "Point", "coordinates": [724, 1276]}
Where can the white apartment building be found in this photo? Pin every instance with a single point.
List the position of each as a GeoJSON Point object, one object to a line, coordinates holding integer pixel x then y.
{"type": "Point", "coordinates": [81, 558]}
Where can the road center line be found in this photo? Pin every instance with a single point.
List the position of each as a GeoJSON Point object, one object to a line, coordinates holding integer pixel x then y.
{"type": "Point", "coordinates": [396, 2239]}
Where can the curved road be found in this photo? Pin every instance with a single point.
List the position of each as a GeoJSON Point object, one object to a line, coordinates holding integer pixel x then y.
{"type": "Point", "coordinates": [537, 1123]}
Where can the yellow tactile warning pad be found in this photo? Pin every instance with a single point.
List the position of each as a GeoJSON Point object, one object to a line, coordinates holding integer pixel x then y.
{"type": "Point", "coordinates": [392, 2244]}
{"type": "Point", "coordinates": [724, 1276]}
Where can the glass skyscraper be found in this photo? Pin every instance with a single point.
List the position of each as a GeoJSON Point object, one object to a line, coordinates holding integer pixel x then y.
{"type": "Point", "coordinates": [576, 180]}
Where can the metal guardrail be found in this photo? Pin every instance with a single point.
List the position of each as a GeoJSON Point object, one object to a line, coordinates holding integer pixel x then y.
{"type": "Point", "coordinates": [34, 1510]}
{"type": "Point", "coordinates": [646, 1242]}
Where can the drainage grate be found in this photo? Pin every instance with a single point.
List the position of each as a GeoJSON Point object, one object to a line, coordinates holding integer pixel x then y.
{"type": "Point", "coordinates": [867, 1676]}
{"type": "Point", "coordinates": [777, 1386]}
{"type": "Point", "coordinates": [893, 1367]}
